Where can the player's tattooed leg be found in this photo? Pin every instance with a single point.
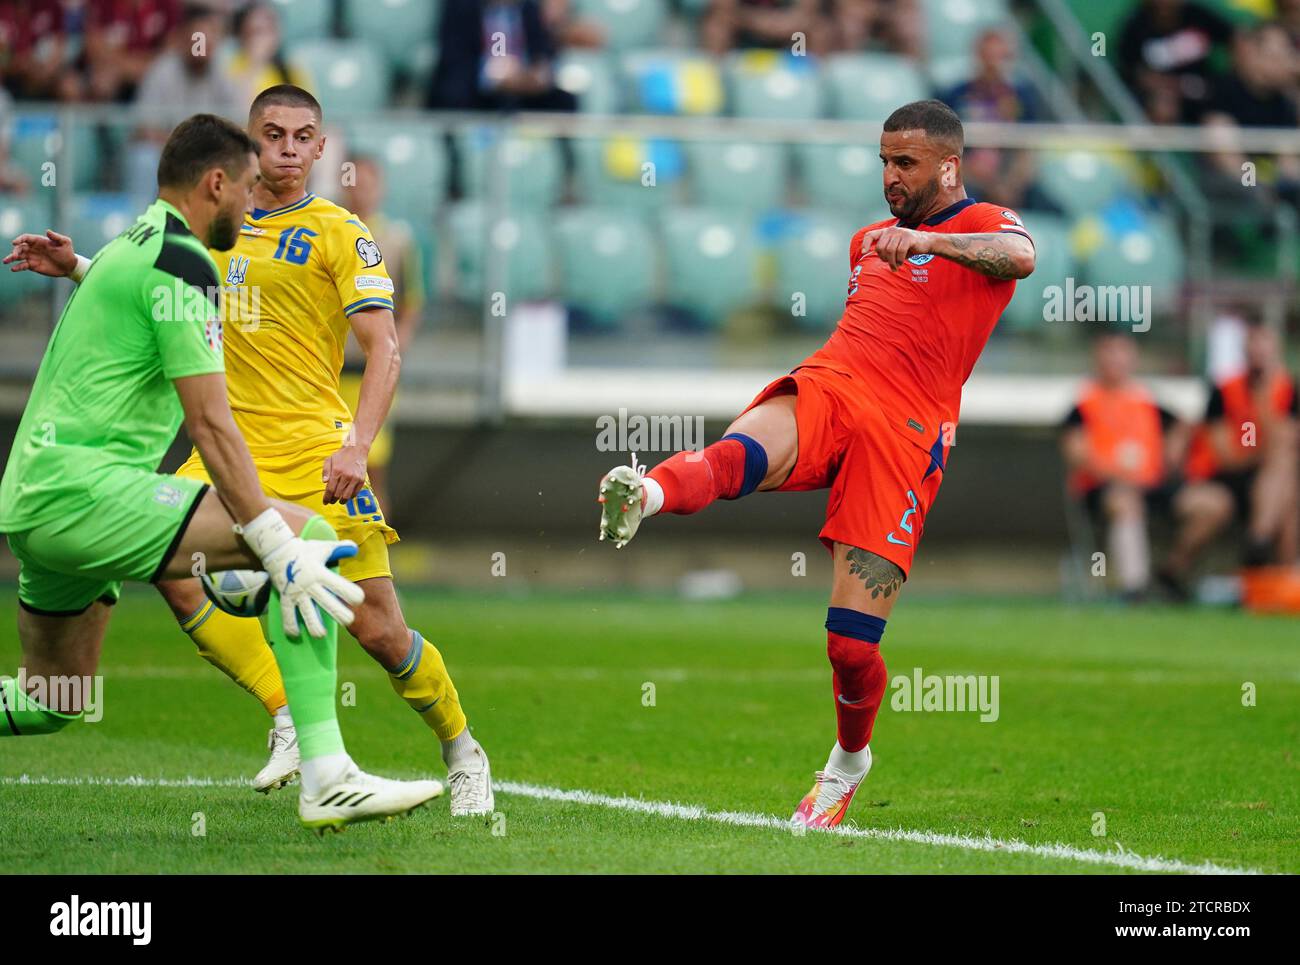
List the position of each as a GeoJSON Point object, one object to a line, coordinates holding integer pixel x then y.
{"type": "Point", "coordinates": [881, 577]}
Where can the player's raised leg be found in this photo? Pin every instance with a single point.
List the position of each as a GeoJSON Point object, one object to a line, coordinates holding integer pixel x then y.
{"type": "Point", "coordinates": [865, 589]}
{"type": "Point", "coordinates": [758, 451]}
{"type": "Point", "coordinates": [419, 676]}
{"type": "Point", "coordinates": [54, 647]}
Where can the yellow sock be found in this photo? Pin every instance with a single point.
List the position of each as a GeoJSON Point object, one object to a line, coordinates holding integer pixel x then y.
{"type": "Point", "coordinates": [236, 646]}
{"type": "Point", "coordinates": [421, 679]}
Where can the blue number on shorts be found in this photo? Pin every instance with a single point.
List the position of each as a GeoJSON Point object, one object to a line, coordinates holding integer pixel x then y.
{"type": "Point", "coordinates": [363, 503]}
{"type": "Point", "coordinates": [295, 245]}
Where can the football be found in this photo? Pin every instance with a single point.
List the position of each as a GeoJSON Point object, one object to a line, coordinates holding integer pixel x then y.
{"type": "Point", "coordinates": [243, 593]}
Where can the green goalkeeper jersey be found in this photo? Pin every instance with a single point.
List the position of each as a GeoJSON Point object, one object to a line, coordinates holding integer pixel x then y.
{"type": "Point", "coordinates": [147, 312]}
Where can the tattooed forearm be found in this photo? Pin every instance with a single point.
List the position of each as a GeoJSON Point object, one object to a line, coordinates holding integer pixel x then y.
{"type": "Point", "coordinates": [996, 255]}
{"type": "Point", "coordinates": [879, 575]}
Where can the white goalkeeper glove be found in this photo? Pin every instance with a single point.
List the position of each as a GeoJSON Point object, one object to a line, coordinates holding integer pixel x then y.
{"type": "Point", "coordinates": [299, 569]}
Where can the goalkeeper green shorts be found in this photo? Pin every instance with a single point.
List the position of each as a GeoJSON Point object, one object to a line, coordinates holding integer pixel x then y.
{"type": "Point", "coordinates": [125, 527]}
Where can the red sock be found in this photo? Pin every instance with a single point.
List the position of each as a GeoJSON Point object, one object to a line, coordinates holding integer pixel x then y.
{"type": "Point", "coordinates": [692, 480]}
{"type": "Point", "coordinates": [859, 679]}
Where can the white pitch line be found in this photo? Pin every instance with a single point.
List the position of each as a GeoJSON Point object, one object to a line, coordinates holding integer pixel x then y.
{"type": "Point", "coordinates": [690, 812]}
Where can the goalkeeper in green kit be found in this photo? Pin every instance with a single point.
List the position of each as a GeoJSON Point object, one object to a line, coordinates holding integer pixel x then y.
{"type": "Point", "coordinates": [136, 352]}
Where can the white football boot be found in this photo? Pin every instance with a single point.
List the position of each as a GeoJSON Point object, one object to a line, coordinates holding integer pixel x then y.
{"type": "Point", "coordinates": [282, 767]}
{"type": "Point", "coordinates": [471, 785]}
{"type": "Point", "coordinates": [359, 796]}
{"type": "Point", "coordinates": [621, 501]}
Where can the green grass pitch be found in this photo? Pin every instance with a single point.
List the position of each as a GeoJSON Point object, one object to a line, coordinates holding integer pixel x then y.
{"type": "Point", "coordinates": [1136, 715]}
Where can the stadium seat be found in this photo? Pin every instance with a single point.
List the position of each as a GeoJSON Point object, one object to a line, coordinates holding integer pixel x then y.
{"type": "Point", "coordinates": [673, 82]}
{"type": "Point", "coordinates": [813, 261]}
{"type": "Point", "coordinates": [616, 171]}
{"type": "Point", "coordinates": [1054, 262]}
{"type": "Point", "coordinates": [627, 23]}
{"type": "Point", "coordinates": [1081, 182]}
{"type": "Point", "coordinates": [404, 31]}
{"type": "Point", "coordinates": [712, 261]}
{"type": "Point", "coordinates": [98, 218]}
{"type": "Point", "coordinates": [1149, 252]}
{"type": "Point", "coordinates": [772, 84]}
{"type": "Point", "coordinates": [589, 76]}
{"type": "Point", "coordinates": [518, 243]}
{"type": "Point", "coordinates": [414, 162]}
{"type": "Point", "coordinates": [843, 175]}
{"type": "Point", "coordinates": [737, 174]}
{"type": "Point", "coordinates": [19, 214]}
{"type": "Point", "coordinates": [351, 76]}
{"type": "Point", "coordinates": [531, 165]}
{"type": "Point", "coordinates": [303, 19]}
{"type": "Point", "coordinates": [951, 26]}
{"type": "Point", "coordinates": [868, 87]}
{"type": "Point", "coordinates": [606, 261]}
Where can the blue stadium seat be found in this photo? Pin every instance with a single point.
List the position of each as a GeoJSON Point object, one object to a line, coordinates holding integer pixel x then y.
{"type": "Point", "coordinates": [1148, 252]}
{"type": "Point", "coordinates": [589, 76]}
{"type": "Point", "coordinates": [1082, 181]}
{"type": "Point", "coordinates": [773, 84]}
{"type": "Point", "coordinates": [1054, 263]}
{"type": "Point", "coordinates": [512, 252]}
{"type": "Point", "coordinates": [531, 165]}
{"type": "Point", "coordinates": [868, 87]}
{"type": "Point", "coordinates": [951, 26]}
{"type": "Point", "coordinates": [98, 218]}
{"type": "Point", "coordinates": [615, 171]}
{"type": "Point", "coordinates": [606, 261]}
{"type": "Point", "coordinates": [303, 19]}
{"type": "Point", "coordinates": [627, 23]}
{"type": "Point", "coordinates": [351, 77]}
{"type": "Point", "coordinates": [737, 174]}
{"type": "Point", "coordinates": [673, 82]}
{"type": "Point", "coordinates": [712, 261]}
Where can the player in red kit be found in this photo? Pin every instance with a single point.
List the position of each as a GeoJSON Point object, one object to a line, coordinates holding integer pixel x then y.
{"type": "Point", "coordinates": [870, 416]}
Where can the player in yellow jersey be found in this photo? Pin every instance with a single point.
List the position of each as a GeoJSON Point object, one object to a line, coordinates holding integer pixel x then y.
{"type": "Point", "coordinates": [302, 274]}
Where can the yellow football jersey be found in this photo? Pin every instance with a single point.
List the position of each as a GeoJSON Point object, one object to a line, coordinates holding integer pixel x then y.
{"type": "Point", "coordinates": [291, 281]}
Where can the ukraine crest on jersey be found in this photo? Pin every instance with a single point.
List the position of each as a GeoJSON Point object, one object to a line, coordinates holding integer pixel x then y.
{"type": "Point", "coordinates": [296, 274]}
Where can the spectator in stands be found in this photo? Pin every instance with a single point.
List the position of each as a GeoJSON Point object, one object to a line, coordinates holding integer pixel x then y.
{"type": "Point", "coordinates": [1165, 48]}
{"type": "Point", "coordinates": [259, 62]}
{"type": "Point", "coordinates": [402, 256]}
{"type": "Point", "coordinates": [32, 47]}
{"type": "Point", "coordinates": [1243, 464]}
{"type": "Point", "coordinates": [995, 175]}
{"type": "Point", "coordinates": [1119, 445]}
{"type": "Point", "coordinates": [892, 24]}
{"type": "Point", "coordinates": [771, 24]}
{"type": "Point", "coordinates": [183, 80]}
{"type": "Point", "coordinates": [122, 38]}
{"type": "Point", "coordinates": [496, 55]}
{"type": "Point", "coordinates": [1288, 15]}
{"type": "Point", "coordinates": [1260, 91]}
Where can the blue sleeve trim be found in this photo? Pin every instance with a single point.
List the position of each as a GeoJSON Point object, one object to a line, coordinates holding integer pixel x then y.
{"type": "Point", "coordinates": [372, 302]}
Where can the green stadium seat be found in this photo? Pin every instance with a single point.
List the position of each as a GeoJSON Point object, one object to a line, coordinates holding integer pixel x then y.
{"type": "Point", "coordinates": [737, 174]}
{"type": "Point", "coordinates": [303, 19]}
{"type": "Point", "coordinates": [627, 23]}
{"type": "Point", "coordinates": [351, 76]}
{"type": "Point", "coordinates": [531, 165]}
{"type": "Point", "coordinates": [98, 218]}
{"type": "Point", "coordinates": [612, 171]}
{"type": "Point", "coordinates": [869, 87]}
{"type": "Point", "coordinates": [673, 82]}
{"type": "Point", "coordinates": [606, 261]}
{"type": "Point", "coordinates": [951, 26]}
{"type": "Point", "coordinates": [29, 212]}
{"type": "Point", "coordinates": [813, 260]}
{"type": "Point", "coordinates": [843, 175]}
{"type": "Point", "coordinates": [772, 84]}
{"type": "Point", "coordinates": [1081, 181]}
{"type": "Point", "coordinates": [712, 261]}
{"type": "Point", "coordinates": [414, 161]}
{"type": "Point", "coordinates": [1147, 254]}
{"type": "Point", "coordinates": [404, 31]}
{"type": "Point", "coordinates": [589, 76]}
{"type": "Point", "coordinates": [1054, 262]}
{"type": "Point", "coordinates": [512, 251]}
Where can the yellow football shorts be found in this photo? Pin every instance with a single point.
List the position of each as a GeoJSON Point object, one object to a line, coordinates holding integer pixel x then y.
{"type": "Point", "coordinates": [297, 479]}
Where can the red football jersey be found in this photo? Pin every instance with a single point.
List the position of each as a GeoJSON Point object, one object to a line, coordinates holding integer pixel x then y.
{"type": "Point", "coordinates": [913, 335]}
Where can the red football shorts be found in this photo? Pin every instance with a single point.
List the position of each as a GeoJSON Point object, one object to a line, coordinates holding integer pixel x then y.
{"type": "Point", "coordinates": [881, 483]}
